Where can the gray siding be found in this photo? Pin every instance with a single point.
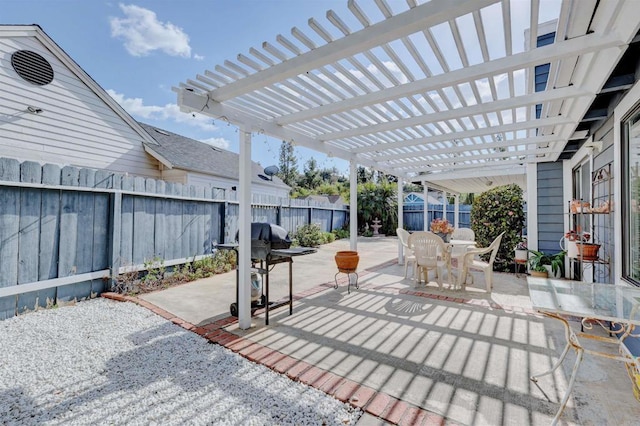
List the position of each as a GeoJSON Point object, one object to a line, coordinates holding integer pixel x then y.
{"type": "Point", "coordinates": [550, 207]}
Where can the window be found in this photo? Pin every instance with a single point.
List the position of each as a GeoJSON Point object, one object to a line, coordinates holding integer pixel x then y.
{"type": "Point", "coordinates": [631, 198]}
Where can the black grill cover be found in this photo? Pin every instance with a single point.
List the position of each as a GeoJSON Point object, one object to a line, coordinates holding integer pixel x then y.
{"type": "Point", "coordinates": [266, 237]}
{"type": "Point", "coordinates": [277, 235]}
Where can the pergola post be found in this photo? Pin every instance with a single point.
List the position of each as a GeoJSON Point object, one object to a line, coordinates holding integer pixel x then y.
{"type": "Point", "coordinates": [244, 238]}
{"type": "Point", "coordinates": [444, 204]}
{"type": "Point", "coordinates": [456, 211]}
{"type": "Point", "coordinates": [532, 206]}
{"type": "Point", "coordinates": [425, 212]}
{"type": "Point", "coordinates": [353, 205]}
{"type": "Point", "coordinates": [400, 220]}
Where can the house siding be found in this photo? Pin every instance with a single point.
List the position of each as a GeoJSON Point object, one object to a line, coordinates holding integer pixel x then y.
{"type": "Point", "coordinates": [200, 179]}
{"type": "Point", "coordinates": [76, 127]}
{"type": "Point", "coordinates": [175, 175]}
{"type": "Point", "coordinates": [550, 207]}
{"type": "Point", "coordinates": [603, 232]}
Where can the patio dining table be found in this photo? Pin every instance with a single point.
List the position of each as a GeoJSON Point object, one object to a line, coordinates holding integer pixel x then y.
{"type": "Point", "coordinates": [616, 308]}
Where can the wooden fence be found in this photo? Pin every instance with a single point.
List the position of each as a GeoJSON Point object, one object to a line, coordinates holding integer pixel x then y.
{"type": "Point", "coordinates": [413, 215]}
{"type": "Point", "coordinates": [65, 231]}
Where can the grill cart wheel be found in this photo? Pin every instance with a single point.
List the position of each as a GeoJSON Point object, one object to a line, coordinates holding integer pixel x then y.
{"type": "Point", "coordinates": [234, 309]}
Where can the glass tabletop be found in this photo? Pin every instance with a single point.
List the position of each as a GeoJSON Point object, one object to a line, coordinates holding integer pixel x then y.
{"type": "Point", "coordinates": [607, 302]}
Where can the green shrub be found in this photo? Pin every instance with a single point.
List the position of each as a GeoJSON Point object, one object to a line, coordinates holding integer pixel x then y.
{"type": "Point", "coordinates": [328, 237]}
{"type": "Point", "coordinates": [309, 235]}
{"type": "Point", "coordinates": [156, 276]}
{"type": "Point", "coordinates": [341, 233]}
{"type": "Point", "coordinates": [494, 211]}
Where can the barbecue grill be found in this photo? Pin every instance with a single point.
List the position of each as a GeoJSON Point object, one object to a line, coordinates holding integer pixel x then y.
{"type": "Point", "coordinates": [266, 237]}
{"type": "Point", "coordinates": [270, 245]}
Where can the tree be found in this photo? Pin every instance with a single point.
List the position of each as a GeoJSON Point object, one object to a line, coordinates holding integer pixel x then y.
{"type": "Point", "coordinates": [311, 178]}
{"type": "Point", "coordinates": [378, 201]}
{"type": "Point", "coordinates": [412, 187]}
{"type": "Point", "coordinates": [288, 165]}
{"type": "Point", "coordinates": [364, 175]}
{"type": "Point", "coordinates": [326, 188]}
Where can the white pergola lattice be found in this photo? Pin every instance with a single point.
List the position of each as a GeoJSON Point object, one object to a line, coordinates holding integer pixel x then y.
{"type": "Point", "coordinates": [436, 92]}
{"type": "Point", "coordinates": [441, 92]}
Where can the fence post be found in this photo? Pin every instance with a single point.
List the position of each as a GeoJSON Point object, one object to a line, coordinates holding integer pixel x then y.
{"type": "Point", "coordinates": [331, 224]}
{"type": "Point", "coordinates": [115, 219]}
{"type": "Point", "coordinates": [279, 213]}
{"type": "Point", "coordinates": [223, 223]}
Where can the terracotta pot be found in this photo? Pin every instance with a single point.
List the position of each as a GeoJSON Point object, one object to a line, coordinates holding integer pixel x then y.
{"type": "Point", "coordinates": [347, 260]}
{"type": "Point", "coordinates": [588, 251]}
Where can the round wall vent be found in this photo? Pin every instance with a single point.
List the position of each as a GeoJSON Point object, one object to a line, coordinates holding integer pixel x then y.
{"type": "Point", "coordinates": [32, 67]}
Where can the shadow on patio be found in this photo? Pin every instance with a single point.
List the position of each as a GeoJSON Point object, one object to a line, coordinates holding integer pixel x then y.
{"type": "Point", "coordinates": [414, 355]}
{"type": "Point", "coordinates": [466, 356]}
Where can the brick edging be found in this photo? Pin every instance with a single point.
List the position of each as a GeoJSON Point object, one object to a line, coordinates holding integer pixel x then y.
{"type": "Point", "coordinates": [378, 404]}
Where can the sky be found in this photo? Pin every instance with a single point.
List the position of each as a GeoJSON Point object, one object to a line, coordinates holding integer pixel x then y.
{"type": "Point", "coordinates": [138, 50]}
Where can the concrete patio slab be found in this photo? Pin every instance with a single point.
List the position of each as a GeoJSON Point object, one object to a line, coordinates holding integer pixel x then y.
{"type": "Point", "coordinates": [206, 300]}
{"type": "Point", "coordinates": [419, 355]}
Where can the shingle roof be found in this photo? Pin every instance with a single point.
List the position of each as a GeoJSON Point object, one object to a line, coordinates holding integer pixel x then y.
{"type": "Point", "coordinates": [333, 199]}
{"type": "Point", "coordinates": [192, 155]}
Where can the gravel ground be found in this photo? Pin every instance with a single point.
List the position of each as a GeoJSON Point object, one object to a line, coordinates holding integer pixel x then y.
{"type": "Point", "coordinates": [106, 362]}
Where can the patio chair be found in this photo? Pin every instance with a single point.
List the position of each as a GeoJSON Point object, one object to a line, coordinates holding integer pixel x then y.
{"type": "Point", "coordinates": [472, 260]}
{"type": "Point", "coordinates": [463, 234]}
{"type": "Point", "coordinates": [431, 254]}
{"type": "Point", "coordinates": [409, 257]}
{"type": "Point", "coordinates": [458, 251]}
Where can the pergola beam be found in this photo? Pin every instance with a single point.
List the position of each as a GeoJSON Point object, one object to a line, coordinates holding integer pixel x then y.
{"type": "Point", "coordinates": [537, 140]}
{"type": "Point", "coordinates": [453, 114]}
{"type": "Point", "coordinates": [192, 102]}
{"type": "Point", "coordinates": [417, 171]}
{"type": "Point", "coordinates": [513, 127]}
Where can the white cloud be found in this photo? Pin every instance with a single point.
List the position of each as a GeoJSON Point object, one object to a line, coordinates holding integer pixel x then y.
{"type": "Point", "coordinates": [219, 142]}
{"type": "Point", "coordinates": [143, 33]}
{"type": "Point", "coordinates": [137, 108]}
{"type": "Point", "coordinates": [198, 57]}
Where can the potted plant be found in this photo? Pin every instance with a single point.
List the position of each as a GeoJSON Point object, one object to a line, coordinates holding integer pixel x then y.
{"type": "Point", "coordinates": [571, 239]}
{"type": "Point", "coordinates": [442, 228]}
{"type": "Point", "coordinates": [521, 252]}
{"type": "Point", "coordinates": [541, 264]}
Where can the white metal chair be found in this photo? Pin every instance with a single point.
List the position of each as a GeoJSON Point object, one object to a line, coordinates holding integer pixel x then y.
{"type": "Point", "coordinates": [463, 234]}
{"type": "Point", "coordinates": [472, 260]}
{"type": "Point", "coordinates": [431, 254]}
{"type": "Point", "coordinates": [409, 257]}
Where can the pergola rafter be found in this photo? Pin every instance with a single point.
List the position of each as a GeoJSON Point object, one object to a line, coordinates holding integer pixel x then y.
{"type": "Point", "coordinates": [399, 93]}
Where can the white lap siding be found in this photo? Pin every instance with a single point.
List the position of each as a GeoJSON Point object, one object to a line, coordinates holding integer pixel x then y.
{"type": "Point", "coordinates": [79, 126]}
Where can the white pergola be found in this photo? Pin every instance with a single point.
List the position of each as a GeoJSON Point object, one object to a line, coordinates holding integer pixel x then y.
{"type": "Point", "coordinates": [441, 92]}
